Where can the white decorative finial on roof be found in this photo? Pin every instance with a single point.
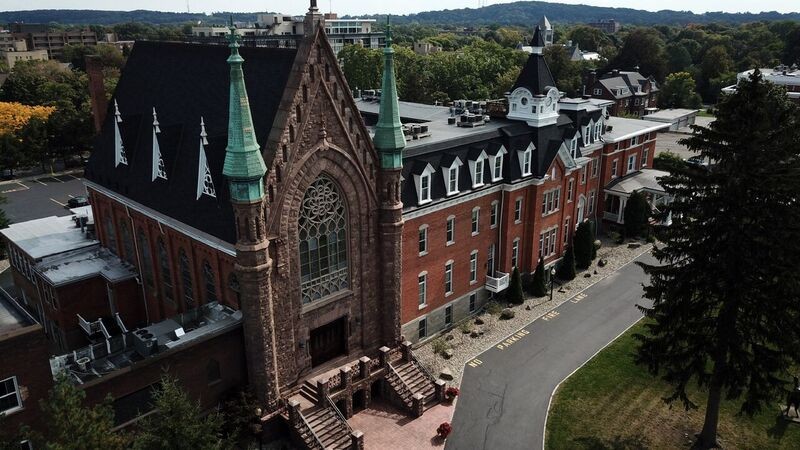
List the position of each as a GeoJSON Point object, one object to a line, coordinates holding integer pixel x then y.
{"type": "Point", "coordinates": [203, 135]}
{"type": "Point", "coordinates": [205, 183]}
{"type": "Point", "coordinates": [116, 112]}
{"type": "Point", "coordinates": [156, 128]}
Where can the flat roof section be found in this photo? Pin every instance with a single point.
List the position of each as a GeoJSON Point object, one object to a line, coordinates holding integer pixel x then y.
{"type": "Point", "coordinates": [11, 318]}
{"type": "Point", "coordinates": [646, 179]}
{"type": "Point", "coordinates": [670, 114]}
{"type": "Point", "coordinates": [48, 236]}
{"type": "Point", "coordinates": [82, 264]}
{"type": "Point", "coordinates": [623, 128]}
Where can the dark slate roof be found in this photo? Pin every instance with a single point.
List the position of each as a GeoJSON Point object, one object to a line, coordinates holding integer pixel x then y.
{"type": "Point", "coordinates": [631, 80]}
{"type": "Point", "coordinates": [184, 82]}
{"type": "Point", "coordinates": [535, 76]}
{"type": "Point", "coordinates": [538, 39]}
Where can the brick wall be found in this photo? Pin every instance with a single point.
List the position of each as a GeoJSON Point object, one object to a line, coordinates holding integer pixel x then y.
{"type": "Point", "coordinates": [25, 356]}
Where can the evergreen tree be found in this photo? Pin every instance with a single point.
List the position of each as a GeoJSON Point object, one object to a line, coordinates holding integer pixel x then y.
{"type": "Point", "coordinates": [72, 426]}
{"type": "Point", "coordinates": [636, 214]}
{"type": "Point", "coordinates": [515, 295]}
{"type": "Point", "coordinates": [178, 423]}
{"type": "Point", "coordinates": [566, 269]}
{"type": "Point", "coordinates": [594, 235]}
{"type": "Point", "coordinates": [538, 286]}
{"type": "Point", "coordinates": [724, 293]}
{"type": "Point", "coordinates": [584, 244]}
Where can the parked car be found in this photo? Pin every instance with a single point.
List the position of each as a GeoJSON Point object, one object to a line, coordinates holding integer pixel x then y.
{"type": "Point", "coordinates": [76, 202]}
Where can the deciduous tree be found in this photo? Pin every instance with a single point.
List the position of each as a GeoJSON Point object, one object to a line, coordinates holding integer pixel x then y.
{"type": "Point", "coordinates": [678, 91]}
{"type": "Point", "coordinates": [724, 292]}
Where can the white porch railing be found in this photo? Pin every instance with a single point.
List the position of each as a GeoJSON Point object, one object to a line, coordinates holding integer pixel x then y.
{"type": "Point", "coordinates": [497, 284]}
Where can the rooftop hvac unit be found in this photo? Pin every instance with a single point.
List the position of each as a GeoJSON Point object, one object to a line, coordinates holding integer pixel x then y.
{"type": "Point", "coordinates": [82, 363]}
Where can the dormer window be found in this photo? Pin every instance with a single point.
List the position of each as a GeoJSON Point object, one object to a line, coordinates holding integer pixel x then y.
{"type": "Point", "coordinates": [450, 174]}
{"type": "Point", "coordinates": [573, 146]}
{"type": "Point", "coordinates": [598, 129]}
{"type": "Point", "coordinates": [525, 160]}
{"type": "Point", "coordinates": [423, 183]}
{"type": "Point", "coordinates": [496, 162]}
{"type": "Point", "coordinates": [587, 134]}
{"type": "Point", "coordinates": [476, 169]}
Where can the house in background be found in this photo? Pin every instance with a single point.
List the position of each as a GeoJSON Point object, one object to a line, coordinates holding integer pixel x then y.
{"type": "Point", "coordinates": [632, 93]}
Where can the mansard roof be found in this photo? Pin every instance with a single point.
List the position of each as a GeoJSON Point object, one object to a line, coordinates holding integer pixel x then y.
{"type": "Point", "coordinates": [184, 82]}
{"type": "Point", "coordinates": [538, 39]}
{"type": "Point", "coordinates": [536, 75]}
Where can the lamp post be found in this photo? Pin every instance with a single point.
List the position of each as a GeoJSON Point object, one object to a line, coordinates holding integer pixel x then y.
{"type": "Point", "coordinates": [552, 281]}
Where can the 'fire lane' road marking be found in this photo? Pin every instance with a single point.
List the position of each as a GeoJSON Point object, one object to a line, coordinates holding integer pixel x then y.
{"type": "Point", "coordinates": [550, 316]}
{"type": "Point", "coordinates": [513, 339]}
{"type": "Point", "coordinates": [578, 298]}
{"type": "Point", "coordinates": [475, 363]}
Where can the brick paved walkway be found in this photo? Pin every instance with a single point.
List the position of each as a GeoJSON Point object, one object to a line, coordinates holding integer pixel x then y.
{"type": "Point", "coordinates": [386, 427]}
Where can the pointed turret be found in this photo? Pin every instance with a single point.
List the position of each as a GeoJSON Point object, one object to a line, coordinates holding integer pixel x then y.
{"type": "Point", "coordinates": [244, 165]}
{"type": "Point", "coordinates": [389, 139]}
{"type": "Point", "coordinates": [538, 40]}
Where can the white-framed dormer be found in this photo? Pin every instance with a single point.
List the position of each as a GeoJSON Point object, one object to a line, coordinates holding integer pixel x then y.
{"type": "Point", "coordinates": [537, 110]}
{"type": "Point", "coordinates": [450, 176]}
{"type": "Point", "coordinates": [525, 158]}
{"type": "Point", "coordinates": [477, 169]}
{"type": "Point", "coordinates": [598, 129]}
{"type": "Point", "coordinates": [423, 183]}
{"type": "Point", "coordinates": [587, 133]}
{"type": "Point", "coordinates": [496, 163]}
{"type": "Point", "coordinates": [573, 146]}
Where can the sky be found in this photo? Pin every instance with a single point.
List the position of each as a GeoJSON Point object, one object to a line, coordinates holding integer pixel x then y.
{"type": "Point", "coordinates": [355, 7]}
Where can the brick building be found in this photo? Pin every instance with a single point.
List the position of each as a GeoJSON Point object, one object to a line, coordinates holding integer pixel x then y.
{"type": "Point", "coordinates": [632, 93]}
{"type": "Point", "coordinates": [265, 237]}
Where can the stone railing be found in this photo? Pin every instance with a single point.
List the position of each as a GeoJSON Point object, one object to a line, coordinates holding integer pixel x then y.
{"type": "Point", "coordinates": [301, 425]}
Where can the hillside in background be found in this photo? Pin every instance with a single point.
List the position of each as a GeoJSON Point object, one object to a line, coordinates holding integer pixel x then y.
{"type": "Point", "coordinates": [518, 13]}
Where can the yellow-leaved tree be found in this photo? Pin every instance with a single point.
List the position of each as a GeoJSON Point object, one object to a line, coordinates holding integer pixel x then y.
{"type": "Point", "coordinates": [15, 116]}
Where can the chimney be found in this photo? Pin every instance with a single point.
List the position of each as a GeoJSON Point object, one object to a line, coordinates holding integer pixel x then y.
{"type": "Point", "coordinates": [97, 91]}
{"type": "Point", "coordinates": [591, 79]}
{"type": "Point", "coordinates": [615, 72]}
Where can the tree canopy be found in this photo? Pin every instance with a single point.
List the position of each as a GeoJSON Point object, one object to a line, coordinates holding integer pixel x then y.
{"type": "Point", "coordinates": [678, 91]}
{"type": "Point", "coordinates": [725, 309]}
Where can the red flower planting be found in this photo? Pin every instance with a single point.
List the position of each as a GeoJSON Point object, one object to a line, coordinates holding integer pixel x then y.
{"type": "Point", "coordinates": [444, 430]}
{"type": "Point", "coordinates": [451, 393]}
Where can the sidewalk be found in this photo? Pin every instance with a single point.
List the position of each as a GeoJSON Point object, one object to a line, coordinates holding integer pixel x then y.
{"type": "Point", "coordinates": [386, 427]}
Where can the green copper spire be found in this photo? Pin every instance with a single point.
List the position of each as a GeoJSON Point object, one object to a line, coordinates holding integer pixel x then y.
{"type": "Point", "coordinates": [244, 165]}
{"type": "Point", "coordinates": [389, 138]}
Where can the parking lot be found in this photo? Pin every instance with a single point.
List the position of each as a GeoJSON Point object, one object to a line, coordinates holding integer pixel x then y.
{"type": "Point", "coordinates": [40, 197]}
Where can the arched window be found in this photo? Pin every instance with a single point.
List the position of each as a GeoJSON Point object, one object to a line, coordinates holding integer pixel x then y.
{"type": "Point", "coordinates": [166, 273]}
{"type": "Point", "coordinates": [127, 242]}
{"type": "Point", "coordinates": [111, 237]}
{"type": "Point", "coordinates": [147, 263]}
{"type": "Point", "coordinates": [323, 241]}
{"type": "Point", "coordinates": [233, 285]}
{"type": "Point", "coordinates": [186, 280]}
{"type": "Point", "coordinates": [210, 281]}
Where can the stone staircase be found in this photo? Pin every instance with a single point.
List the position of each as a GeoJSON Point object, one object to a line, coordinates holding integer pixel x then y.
{"type": "Point", "coordinates": [329, 430]}
{"type": "Point", "coordinates": [408, 379]}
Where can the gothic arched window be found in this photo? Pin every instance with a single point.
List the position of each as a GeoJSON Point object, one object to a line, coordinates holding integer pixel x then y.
{"type": "Point", "coordinates": [111, 237]}
{"type": "Point", "coordinates": [323, 241]}
{"type": "Point", "coordinates": [210, 281]}
{"type": "Point", "coordinates": [186, 280]}
{"type": "Point", "coordinates": [147, 263]}
{"type": "Point", "coordinates": [233, 285]}
{"type": "Point", "coordinates": [166, 273]}
{"type": "Point", "coordinates": [127, 242]}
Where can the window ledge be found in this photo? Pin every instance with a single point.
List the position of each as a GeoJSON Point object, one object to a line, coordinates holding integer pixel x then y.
{"type": "Point", "coordinates": [473, 282]}
{"type": "Point", "coordinates": [423, 306]}
{"type": "Point", "coordinates": [450, 194]}
{"type": "Point", "coordinates": [13, 410]}
{"type": "Point", "coordinates": [423, 202]}
{"type": "Point", "coordinates": [492, 227]}
{"type": "Point", "coordinates": [316, 304]}
{"type": "Point", "coordinates": [517, 222]}
{"type": "Point", "coordinates": [476, 186]}
{"type": "Point", "coordinates": [423, 253]}
{"type": "Point", "coordinates": [449, 243]}
{"type": "Point", "coordinates": [475, 233]}
{"type": "Point", "coordinates": [448, 294]}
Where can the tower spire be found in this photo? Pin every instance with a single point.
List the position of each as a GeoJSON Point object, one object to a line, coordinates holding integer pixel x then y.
{"type": "Point", "coordinates": [244, 165]}
{"type": "Point", "coordinates": [389, 138]}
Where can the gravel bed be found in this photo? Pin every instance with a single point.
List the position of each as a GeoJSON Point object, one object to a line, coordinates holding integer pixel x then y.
{"type": "Point", "coordinates": [493, 330]}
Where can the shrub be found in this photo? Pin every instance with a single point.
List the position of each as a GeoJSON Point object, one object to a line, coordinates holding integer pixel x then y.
{"type": "Point", "coordinates": [494, 308]}
{"type": "Point", "coordinates": [637, 213]}
{"type": "Point", "coordinates": [584, 242]}
{"type": "Point", "coordinates": [465, 327]}
{"type": "Point", "coordinates": [439, 346]}
{"type": "Point", "coordinates": [538, 286]}
{"type": "Point", "coordinates": [566, 269]}
{"type": "Point", "coordinates": [515, 295]}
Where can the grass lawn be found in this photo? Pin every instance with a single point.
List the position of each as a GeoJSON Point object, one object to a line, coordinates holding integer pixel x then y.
{"type": "Point", "coordinates": [613, 404]}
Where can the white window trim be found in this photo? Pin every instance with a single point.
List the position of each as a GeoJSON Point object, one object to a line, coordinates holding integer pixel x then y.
{"type": "Point", "coordinates": [446, 175]}
{"type": "Point", "coordinates": [515, 253]}
{"type": "Point", "coordinates": [424, 284]}
{"type": "Point", "coordinates": [428, 172]}
{"type": "Point", "coordinates": [493, 159]}
{"type": "Point", "coordinates": [494, 211]}
{"type": "Point", "coordinates": [570, 189]}
{"type": "Point", "coordinates": [451, 264]}
{"type": "Point", "coordinates": [573, 146]}
{"type": "Point", "coordinates": [16, 393]}
{"type": "Point", "coordinates": [631, 164]}
{"type": "Point", "coordinates": [478, 181]}
{"type": "Point", "coordinates": [423, 228]}
{"type": "Point", "coordinates": [473, 274]}
{"type": "Point", "coordinates": [614, 173]}
{"type": "Point", "coordinates": [449, 219]}
{"type": "Point", "coordinates": [476, 219]}
{"type": "Point", "coordinates": [645, 155]}
{"type": "Point", "coordinates": [526, 171]}
{"type": "Point", "coordinates": [518, 210]}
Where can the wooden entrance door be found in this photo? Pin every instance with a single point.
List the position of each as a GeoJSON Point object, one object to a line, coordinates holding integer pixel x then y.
{"type": "Point", "coordinates": [328, 342]}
